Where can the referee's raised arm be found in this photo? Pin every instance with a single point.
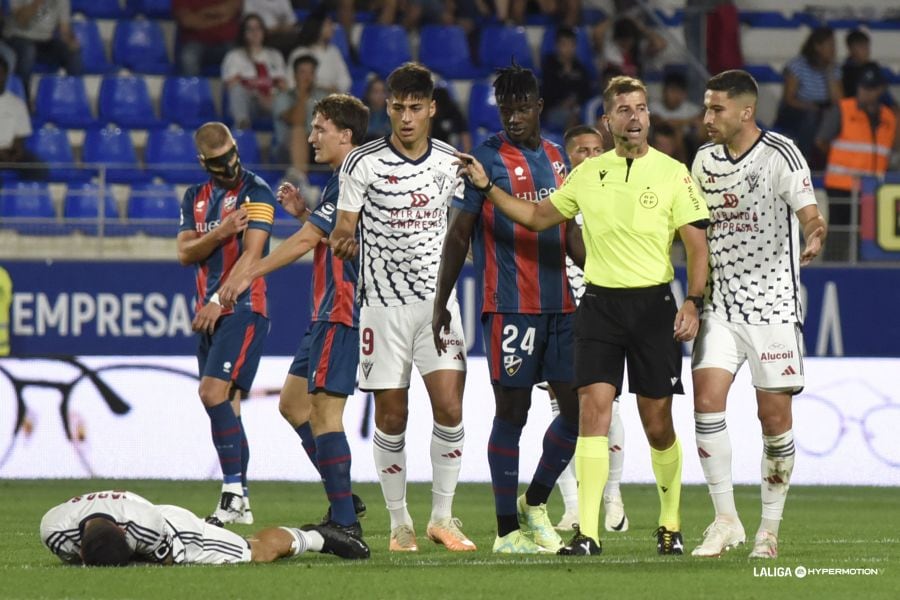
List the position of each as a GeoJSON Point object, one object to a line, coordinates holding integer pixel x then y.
{"type": "Point", "coordinates": [536, 217]}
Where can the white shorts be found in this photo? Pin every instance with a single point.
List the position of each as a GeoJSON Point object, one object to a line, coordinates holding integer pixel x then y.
{"type": "Point", "coordinates": [196, 542]}
{"type": "Point", "coordinates": [392, 338]}
{"type": "Point", "coordinates": [774, 352]}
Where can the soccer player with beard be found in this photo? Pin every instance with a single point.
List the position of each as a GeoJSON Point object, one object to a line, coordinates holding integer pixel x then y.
{"type": "Point", "coordinates": [757, 186]}
{"type": "Point", "coordinates": [527, 308]}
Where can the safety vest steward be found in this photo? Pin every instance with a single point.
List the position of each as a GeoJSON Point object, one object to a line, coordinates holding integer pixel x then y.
{"type": "Point", "coordinates": [856, 151]}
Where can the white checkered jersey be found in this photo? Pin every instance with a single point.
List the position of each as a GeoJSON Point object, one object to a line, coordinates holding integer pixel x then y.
{"type": "Point", "coordinates": [144, 525]}
{"type": "Point", "coordinates": [754, 243]}
{"type": "Point", "coordinates": [574, 272]}
{"type": "Point", "coordinates": [403, 218]}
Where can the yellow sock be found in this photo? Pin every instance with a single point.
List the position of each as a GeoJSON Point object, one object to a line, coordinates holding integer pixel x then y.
{"type": "Point", "coordinates": [667, 469]}
{"type": "Point", "coordinates": [592, 471]}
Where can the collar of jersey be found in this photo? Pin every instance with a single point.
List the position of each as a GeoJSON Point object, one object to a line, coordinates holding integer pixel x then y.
{"type": "Point", "coordinates": [735, 161]}
{"type": "Point", "coordinates": [405, 158]}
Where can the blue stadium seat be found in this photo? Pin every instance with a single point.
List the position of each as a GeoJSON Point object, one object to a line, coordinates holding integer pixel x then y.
{"type": "Point", "coordinates": [445, 49]}
{"type": "Point", "coordinates": [483, 112]}
{"type": "Point", "coordinates": [248, 146]}
{"type": "Point", "coordinates": [140, 46]}
{"type": "Point", "coordinates": [27, 207]}
{"type": "Point", "coordinates": [583, 48]}
{"type": "Point", "coordinates": [764, 73]}
{"type": "Point", "coordinates": [187, 101]}
{"type": "Point", "coordinates": [51, 146]}
{"type": "Point", "coordinates": [63, 100]}
{"type": "Point", "coordinates": [170, 154]}
{"type": "Point", "coordinates": [93, 51]}
{"type": "Point", "coordinates": [500, 43]}
{"type": "Point", "coordinates": [125, 100]}
{"type": "Point", "coordinates": [262, 123]}
{"type": "Point", "coordinates": [81, 210]}
{"type": "Point", "coordinates": [112, 147]}
{"type": "Point", "coordinates": [14, 85]}
{"type": "Point", "coordinates": [153, 9]}
{"type": "Point", "coordinates": [100, 9]}
{"type": "Point", "coordinates": [154, 209]}
{"type": "Point", "coordinates": [382, 48]}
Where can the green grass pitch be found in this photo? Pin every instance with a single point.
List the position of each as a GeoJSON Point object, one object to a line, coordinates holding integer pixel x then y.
{"type": "Point", "coordinates": [824, 528]}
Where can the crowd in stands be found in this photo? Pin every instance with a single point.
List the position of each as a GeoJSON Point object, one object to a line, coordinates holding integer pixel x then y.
{"type": "Point", "coordinates": [275, 59]}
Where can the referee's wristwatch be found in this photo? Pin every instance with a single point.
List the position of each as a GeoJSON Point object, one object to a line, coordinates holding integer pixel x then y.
{"type": "Point", "coordinates": [697, 300]}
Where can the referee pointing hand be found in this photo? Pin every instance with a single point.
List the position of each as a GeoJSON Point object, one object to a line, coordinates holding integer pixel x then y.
{"type": "Point", "coordinates": [632, 200]}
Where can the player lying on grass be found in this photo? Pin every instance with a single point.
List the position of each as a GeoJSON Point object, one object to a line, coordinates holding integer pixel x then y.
{"type": "Point", "coordinates": [116, 528]}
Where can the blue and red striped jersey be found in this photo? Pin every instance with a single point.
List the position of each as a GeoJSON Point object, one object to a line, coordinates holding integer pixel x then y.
{"type": "Point", "coordinates": [203, 208]}
{"type": "Point", "coordinates": [521, 271]}
{"type": "Point", "coordinates": [333, 294]}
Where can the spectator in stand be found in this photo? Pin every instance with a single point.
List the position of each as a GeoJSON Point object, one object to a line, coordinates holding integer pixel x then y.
{"type": "Point", "coordinates": [858, 135]}
{"type": "Point", "coordinates": [293, 112]}
{"type": "Point", "coordinates": [811, 85]}
{"type": "Point", "coordinates": [566, 83]}
{"type": "Point", "coordinates": [252, 73]}
{"type": "Point", "coordinates": [680, 114]}
{"type": "Point", "coordinates": [448, 123]}
{"type": "Point", "coordinates": [667, 140]}
{"type": "Point", "coordinates": [859, 53]}
{"type": "Point", "coordinates": [15, 128]}
{"type": "Point", "coordinates": [315, 40]}
{"type": "Point", "coordinates": [206, 32]}
{"type": "Point", "coordinates": [280, 21]}
{"type": "Point", "coordinates": [593, 109]}
{"type": "Point", "coordinates": [375, 97]}
{"type": "Point", "coordinates": [630, 43]}
{"type": "Point", "coordinates": [40, 30]}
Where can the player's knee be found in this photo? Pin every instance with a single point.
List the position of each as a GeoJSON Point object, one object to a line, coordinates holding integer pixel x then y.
{"type": "Point", "coordinates": [660, 433]}
{"type": "Point", "coordinates": [261, 552]}
{"type": "Point", "coordinates": [211, 394]}
{"type": "Point", "coordinates": [774, 423]}
{"type": "Point", "coordinates": [295, 413]}
{"type": "Point", "coordinates": [392, 422]}
{"type": "Point", "coordinates": [448, 416]}
{"type": "Point", "coordinates": [513, 412]}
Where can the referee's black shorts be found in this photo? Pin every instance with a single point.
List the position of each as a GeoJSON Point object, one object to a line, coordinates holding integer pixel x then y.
{"type": "Point", "coordinates": [613, 325]}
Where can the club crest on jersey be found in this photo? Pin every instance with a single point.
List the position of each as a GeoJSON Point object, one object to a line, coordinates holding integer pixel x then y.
{"type": "Point", "coordinates": [560, 168]}
{"type": "Point", "coordinates": [439, 180]}
{"type": "Point", "coordinates": [752, 181]}
{"type": "Point", "coordinates": [366, 367]}
{"type": "Point", "coordinates": [511, 364]}
{"type": "Point", "coordinates": [229, 202]}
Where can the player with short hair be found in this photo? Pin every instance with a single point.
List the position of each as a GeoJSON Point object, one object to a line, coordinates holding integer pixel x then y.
{"type": "Point", "coordinates": [114, 528]}
{"type": "Point", "coordinates": [323, 372]}
{"type": "Point", "coordinates": [758, 189]}
{"type": "Point", "coordinates": [398, 190]}
{"type": "Point", "coordinates": [632, 199]}
{"type": "Point", "coordinates": [582, 142]}
{"type": "Point", "coordinates": [225, 226]}
{"type": "Point", "coordinates": [527, 309]}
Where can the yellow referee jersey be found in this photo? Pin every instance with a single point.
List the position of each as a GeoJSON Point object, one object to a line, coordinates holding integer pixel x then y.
{"type": "Point", "coordinates": [631, 209]}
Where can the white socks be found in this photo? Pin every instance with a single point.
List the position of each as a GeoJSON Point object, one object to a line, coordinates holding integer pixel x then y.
{"type": "Point", "coordinates": [777, 466]}
{"type": "Point", "coordinates": [446, 459]}
{"type": "Point", "coordinates": [304, 541]}
{"type": "Point", "coordinates": [714, 448]}
{"type": "Point", "coordinates": [616, 437]}
{"type": "Point", "coordinates": [390, 461]}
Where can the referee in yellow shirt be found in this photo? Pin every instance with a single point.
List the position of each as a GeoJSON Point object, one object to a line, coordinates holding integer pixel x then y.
{"type": "Point", "coordinates": [632, 200]}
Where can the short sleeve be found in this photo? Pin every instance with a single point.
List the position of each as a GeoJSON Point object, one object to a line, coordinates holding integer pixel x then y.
{"type": "Point", "coordinates": [260, 204]}
{"type": "Point", "coordinates": [324, 215]}
{"type": "Point", "coordinates": [793, 185]}
{"type": "Point", "coordinates": [688, 205]}
{"type": "Point", "coordinates": [565, 197]}
{"type": "Point", "coordinates": [353, 183]}
{"type": "Point", "coordinates": [231, 66]}
{"type": "Point", "coordinates": [187, 222]}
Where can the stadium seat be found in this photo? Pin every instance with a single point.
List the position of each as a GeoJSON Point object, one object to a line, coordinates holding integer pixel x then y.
{"type": "Point", "coordinates": [81, 210]}
{"type": "Point", "coordinates": [100, 9]}
{"type": "Point", "coordinates": [170, 154]}
{"type": "Point", "coordinates": [445, 49]}
{"type": "Point", "coordinates": [248, 146]}
{"type": "Point", "coordinates": [187, 101]}
{"type": "Point", "coordinates": [51, 145]}
{"type": "Point", "coordinates": [112, 147]}
{"type": "Point", "coordinates": [139, 45]}
{"type": "Point", "coordinates": [382, 48]}
{"type": "Point", "coordinates": [62, 100]}
{"type": "Point", "coordinates": [483, 112]}
{"type": "Point", "coordinates": [93, 52]}
{"type": "Point", "coordinates": [764, 73]}
{"type": "Point", "coordinates": [152, 9]}
{"type": "Point", "coordinates": [263, 123]}
{"type": "Point", "coordinates": [27, 207]}
{"type": "Point", "coordinates": [154, 209]}
{"type": "Point", "coordinates": [501, 43]}
{"type": "Point", "coordinates": [14, 85]}
{"type": "Point", "coordinates": [583, 51]}
{"type": "Point", "coordinates": [125, 100]}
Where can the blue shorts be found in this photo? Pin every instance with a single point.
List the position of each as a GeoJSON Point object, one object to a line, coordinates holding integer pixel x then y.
{"type": "Point", "coordinates": [524, 350]}
{"type": "Point", "coordinates": [233, 351]}
{"type": "Point", "coordinates": [328, 357]}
